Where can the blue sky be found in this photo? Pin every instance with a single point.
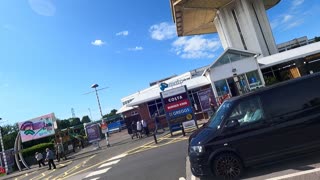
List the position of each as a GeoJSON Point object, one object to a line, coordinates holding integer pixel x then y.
{"type": "Point", "coordinates": [52, 51]}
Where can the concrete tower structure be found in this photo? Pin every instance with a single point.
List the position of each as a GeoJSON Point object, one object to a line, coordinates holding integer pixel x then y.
{"type": "Point", "coordinates": [241, 24]}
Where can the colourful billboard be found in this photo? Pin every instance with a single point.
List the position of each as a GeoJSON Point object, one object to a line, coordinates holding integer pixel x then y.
{"type": "Point", "coordinates": [37, 128]}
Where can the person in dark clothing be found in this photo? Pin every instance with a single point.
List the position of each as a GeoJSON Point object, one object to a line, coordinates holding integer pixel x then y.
{"type": "Point", "coordinates": [49, 158]}
{"type": "Point", "coordinates": [157, 123]}
{"type": "Point", "coordinates": [134, 129]}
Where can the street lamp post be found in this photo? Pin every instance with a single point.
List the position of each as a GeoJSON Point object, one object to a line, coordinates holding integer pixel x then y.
{"type": "Point", "coordinates": [106, 133]}
{"type": "Point", "coordinates": [3, 152]}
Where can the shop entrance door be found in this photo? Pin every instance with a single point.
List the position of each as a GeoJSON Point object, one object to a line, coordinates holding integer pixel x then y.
{"type": "Point", "coordinates": [233, 87]}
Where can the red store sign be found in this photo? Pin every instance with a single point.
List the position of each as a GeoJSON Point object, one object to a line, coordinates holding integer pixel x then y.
{"type": "Point", "coordinates": [177, 105]}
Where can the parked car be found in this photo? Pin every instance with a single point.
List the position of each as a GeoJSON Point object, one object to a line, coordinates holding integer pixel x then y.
{"type": "Point", "coordinates": [270, 124]}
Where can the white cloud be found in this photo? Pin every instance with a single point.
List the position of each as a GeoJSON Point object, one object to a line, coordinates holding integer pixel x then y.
{"type": "Point", "coordinates": [296, 3]}
{"type": "Point", "coordinates": [291, 16]}
{"type": "Point", "coordinates": [122, 33]}
{"type": "Point", "coordinates": [294, 24]}
{"type": "Point", "coordinates": [137, 48]}
{"type": "Point", "coordinates": [98, 42]}
{"type": "Point", "coordinates": [43, 7]}
{"type": "Point", "coordinates": [286, 18]}
{"type": "Point", "coordinates": [163, 31]}
{"type": "Point", "coordinates": [195, 47]}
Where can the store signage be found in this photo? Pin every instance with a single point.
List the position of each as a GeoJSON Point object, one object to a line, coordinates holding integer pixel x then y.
{"type": "Point", "coordinates": [179, 112]}
{"type": "Point", "coordinates": [175, 98]}
{"type": "Point", "coordinates": [163, 86]}
{"type": "Point", "coordinates": [176, 81]}
{"type": "Point", "coordinates": [177, 107]}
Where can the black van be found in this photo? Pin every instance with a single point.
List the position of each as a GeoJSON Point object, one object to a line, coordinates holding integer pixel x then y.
{"type": "Point", "coordinates": [267, 125]}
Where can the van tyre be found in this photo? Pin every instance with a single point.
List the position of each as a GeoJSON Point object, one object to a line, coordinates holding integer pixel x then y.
{"type": "Point", "coordinates": [227, 166]}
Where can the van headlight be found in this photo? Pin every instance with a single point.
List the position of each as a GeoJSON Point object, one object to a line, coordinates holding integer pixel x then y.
{"type": "Point", "coordinates": [197, 149]}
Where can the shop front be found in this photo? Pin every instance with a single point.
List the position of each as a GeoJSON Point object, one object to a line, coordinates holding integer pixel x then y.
{"type": "Point", "coordinates": [234, 73]}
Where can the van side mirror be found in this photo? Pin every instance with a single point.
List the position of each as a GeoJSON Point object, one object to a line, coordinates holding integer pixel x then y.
{"type": "Point", "coordinates": [232, 124]}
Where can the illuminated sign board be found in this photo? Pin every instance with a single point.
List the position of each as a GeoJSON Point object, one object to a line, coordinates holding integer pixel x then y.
{"type": "Point", "coordinates": [177, 107]}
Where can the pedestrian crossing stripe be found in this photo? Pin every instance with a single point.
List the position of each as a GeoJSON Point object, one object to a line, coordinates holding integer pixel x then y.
{"type": "Point", "coordinates": [118, 157]}
{"type": "Point", "coordinates": [98, 172]}
{"type": "Point", "coordinates": [109, 163]}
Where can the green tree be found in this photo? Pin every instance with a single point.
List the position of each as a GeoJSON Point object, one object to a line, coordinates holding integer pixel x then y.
{"type": "Point", "coordinates": [74, 121]}
{"type": "Point", "coordinates": [316, 39]}
{"type": "Point", "coordinates": [112, 113]}
{"type": "Point", "coordinates": [9, 133]}
{"type": "Point", "coordinates": [63, 124]}
{"type": "Point", "coordinates": [85, 119]}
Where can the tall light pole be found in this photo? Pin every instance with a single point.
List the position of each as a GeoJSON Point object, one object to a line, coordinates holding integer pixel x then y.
{"type": "Point", "coordinates": [106, 133]}
{"type": "Point", "coordinates": [3, 152]}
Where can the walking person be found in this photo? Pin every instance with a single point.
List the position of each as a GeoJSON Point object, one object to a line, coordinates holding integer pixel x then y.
{"type": "Point", "coordinates": [157, 123]}
{"type": "Point", "coordinates": [134, 129]}
{"type": "Point", "coordinates": [145, 127]}
{"type": "Point", "coordinates": [39, 158]}
{"type": "Point", "coordinates": [49, 158]}
{"type": "Point", "coordinates": [60, 152]}
{"type": "Point", "coordinates": [139, 129]}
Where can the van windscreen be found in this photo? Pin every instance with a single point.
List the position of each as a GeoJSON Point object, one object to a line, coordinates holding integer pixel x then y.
{"type": "Point", "coordinates": [216, 118]}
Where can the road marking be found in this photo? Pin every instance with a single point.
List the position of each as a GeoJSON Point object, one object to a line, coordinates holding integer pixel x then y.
{"type": "Point", "coordinates": [95, 178]}
{"type": "Point", "coordinates": [42, 175]}
{"type": "Point", "coordinates": [73, 168]}
{"type": "Point", "coordinates": [25, 175]}
{"type": "Point", "coordinates": [48, 178]}
{"type": "Point", "coordinates": [93, 166]}
{"type": "Point", "coordinates": [109, 163]}
{"type": "Point", "coordinates": [182, 178]}
{"type": "Point", "coordinates": [149, 146]}
{"type": "Point", "coordinates": [98, 172]}
{"type": "Point", "coordinates": [295, 174]}
{"type": "Point", "coordinates": [118, 157]}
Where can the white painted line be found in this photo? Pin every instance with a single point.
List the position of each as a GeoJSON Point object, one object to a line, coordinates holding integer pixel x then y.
{"type": "Point", "coordinates": [95, 179]}
{"type": "Point", "coordinates": [109, 163]}
{"type": "Point", "coordinates": [295, 174]}
{"type": "Point", "coordinates": [117, 157]}
{"type": "Point", "coordinates": [182, 178]}
{"type": "Point", "coordinates": [98, 172]}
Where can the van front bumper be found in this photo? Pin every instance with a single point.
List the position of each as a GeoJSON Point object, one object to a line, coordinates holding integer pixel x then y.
{"type": "Point", "coordinates": [200, 166]}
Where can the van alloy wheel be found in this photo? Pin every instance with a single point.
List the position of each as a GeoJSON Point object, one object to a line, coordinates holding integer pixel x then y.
{"type": "Point", "coordinates": [227, 166]}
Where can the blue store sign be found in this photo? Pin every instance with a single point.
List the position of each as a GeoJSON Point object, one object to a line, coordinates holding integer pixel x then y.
{"type": "Point", "coordinates": [179, 112]}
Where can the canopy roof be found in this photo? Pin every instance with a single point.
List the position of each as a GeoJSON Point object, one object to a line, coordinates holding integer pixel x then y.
{"type": "Point", "coordinates": [194, 17]}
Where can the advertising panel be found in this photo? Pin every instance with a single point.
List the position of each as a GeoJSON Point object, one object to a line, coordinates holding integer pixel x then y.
{"type": "Point", "coordinates": [37, 128]}
{"type": "Point", "coordinates": [204, 98]}
{"type": "Point", "coordinates": [93, 132]}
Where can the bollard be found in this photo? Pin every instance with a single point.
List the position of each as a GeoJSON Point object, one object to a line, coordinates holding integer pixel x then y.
{"type": "Point", "coordinates": [155, 138]}
{"type": "Point", "coordinates": [183, 133]}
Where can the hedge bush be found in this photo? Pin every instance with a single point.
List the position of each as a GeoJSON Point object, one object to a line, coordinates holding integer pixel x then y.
{"type": "Point", "coordinates": [41, 148]}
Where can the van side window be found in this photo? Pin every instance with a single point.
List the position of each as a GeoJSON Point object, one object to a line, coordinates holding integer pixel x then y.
{"type": "Point", "coordinates": [248, 111]}
{"type": "Point", "coordinates": [291, 100]}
